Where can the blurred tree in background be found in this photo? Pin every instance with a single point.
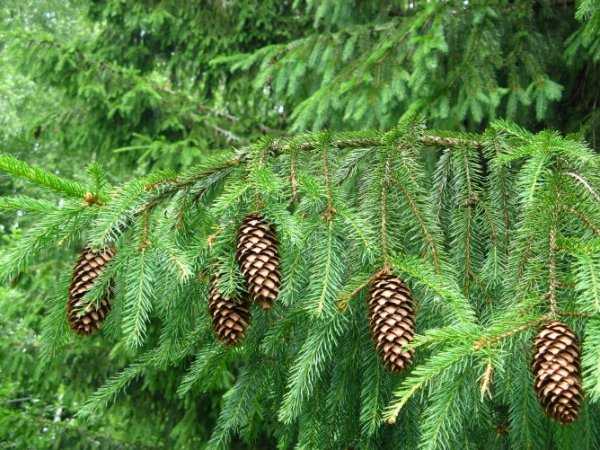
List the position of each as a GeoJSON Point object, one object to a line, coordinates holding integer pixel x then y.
{"type": "Point", "coordinates": [136, 86]}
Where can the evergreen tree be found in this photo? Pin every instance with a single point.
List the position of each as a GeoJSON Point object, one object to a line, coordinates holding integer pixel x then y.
{"type": "Point", "coordinates": [419, 217]}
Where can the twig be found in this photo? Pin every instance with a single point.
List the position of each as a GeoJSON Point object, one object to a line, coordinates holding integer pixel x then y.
{"type": "Point", "coordinates": [283, 145]}
{"type": "Point", "coordinates": [585, 184]}
{"type": "Point", "coordinates": [583, 219]}
{"type": "Point", "coordinates": [330, 211]}
{"type": "Point", "coordinates": [229, 135]}
{"type": "Point", "coordinates": [384, 213]}
{"type": "Point", "coordinates": [344, 300]}
{"type": "Point", "coordinates": [489, 341]}
{"type": "Point", "coordinates": [293, 178]}
{"type": "Point", "coordinates": [552, 271]}
{"type": "Point", "coordinates": [18, 400]}
{"type": "Point", "coordinates": [486, 380]}
{"type": "Point", "coordinates": [442, 141]}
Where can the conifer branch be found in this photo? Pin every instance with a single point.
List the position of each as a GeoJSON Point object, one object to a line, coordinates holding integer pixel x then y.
{"type": "Point", "coordinates": [21, 169]}
{"type": "Point", "coordinates": [486, 380]}
{"type": "Point", "coordinates": [25, 203]}
{"type": "Point", "coordinates": [585, 220]}
{"type": "Point", "coordinates": [330, 211]}
{"type": "Point", "coordinates": [585, 183]}
{"type": "Point", "coordinates": [422, 225]}
{"type": "Point", "coordinates": [309, 142]}
{"type": "Point", "coordinates": [553, 283]}
{"type": "Point", "coordinates": [293, 176]}
{"type": "Point", "coordinates": [347, 297]}
{"type": "Point", "coordinates": [491, 341]}
{"type": "Point", "coordinates": [385, 183]}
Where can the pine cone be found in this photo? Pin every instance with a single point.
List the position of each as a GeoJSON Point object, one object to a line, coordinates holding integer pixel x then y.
{"type": "Point", "coordinates": [86, 318]}
{"type": "Point", "coordinates": [230, 318]}
{"type": "Point", "coordinates": [392, 320]}
{"type": "Point", "coordinates": [258, 257]}
{"type": "Point", "coordinates": [557, 372]}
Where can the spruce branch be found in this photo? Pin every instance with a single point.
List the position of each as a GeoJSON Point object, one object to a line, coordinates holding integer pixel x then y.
{"type": "Point", "coordinates": [330, 211]}
{"type": "Point", "coordinates": [385, 184]}
{"type": "Point", "coordinates": [113, 387]}
{"type": "Point", "coordinates": [205, 362]}
{"type": "Point", "coordinates": [585, 183]}
{"type": "Point", "coordinates": [310, 142]}
{"type": "Point", "coordinates": [294, 176]}
{"type": "Point", "coordinates": [583, 218]}
{"type": "Point", "coordinates": [422, 376]}
{"type": "Point", "coordinates": [553, 282]}
{"type": "Point", "coordinates": [21, 169]}
{"type": "Point", "coordinates": [140, 295]}
{"type": "Point", "coordinates": [440, 284]}
{"type": "Point", "coordinates": [490, 341]}
{"type": "Point", "coordinates": [312, 360]}
{"type": "Point", "coordinates": [486, 380]}
{"type": "Point", "coordinates": [25, 203]}
{"type": "Point", "coordinates": [363, 282]}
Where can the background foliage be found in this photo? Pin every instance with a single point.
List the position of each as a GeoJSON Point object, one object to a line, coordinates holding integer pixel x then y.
{"type": "Point", "coordinates": [127, 88]}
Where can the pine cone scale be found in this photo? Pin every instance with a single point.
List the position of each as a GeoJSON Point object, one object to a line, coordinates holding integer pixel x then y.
{"type": "Point", "coordinates": [85, 318]}
{"type": "Point", "coordinates": [392, 321]}
{"type": "Point", "coordinates": [258, 257]}
{"type": "Point", "coordinates": [557, 372]}
{"type": "Point", "coordinates": [230, 318]}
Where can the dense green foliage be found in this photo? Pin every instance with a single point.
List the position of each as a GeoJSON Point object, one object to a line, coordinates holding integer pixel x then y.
{"type": "Point", "coordinates": [189, 115]}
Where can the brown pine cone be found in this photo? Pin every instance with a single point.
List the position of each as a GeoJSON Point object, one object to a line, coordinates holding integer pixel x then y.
{"type": "Point", "coordinates": [85, 318]}
{"type": "Point", "coordinates": [557, 372]}
{"type": "Point", "coordinates": [258, 257]}
{"type": "Point", "coordinates": [230, 318]}
{"type": "Point", "coordinates": [392, 320]}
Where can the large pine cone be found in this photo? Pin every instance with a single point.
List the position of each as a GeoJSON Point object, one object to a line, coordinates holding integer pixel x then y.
{"type": "Point", "coordinates": [557, 372]}
{"type": "Point", "coordinates": [230, 318]}
{"type": "Point", "coordinates": [392, 320]}
{"type": "Point", "coordinates": [86, 318]}
{"type": "Point", "coordinates": [258, 257]}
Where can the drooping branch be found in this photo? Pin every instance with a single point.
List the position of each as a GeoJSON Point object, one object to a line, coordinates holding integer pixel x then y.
{"type": "Point", "coordinates": [349, 141]}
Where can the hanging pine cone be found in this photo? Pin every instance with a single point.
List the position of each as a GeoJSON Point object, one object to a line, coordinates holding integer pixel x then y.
{"type": "Point", "coordinates": [230, 318]}
{"type": "Point", "coordinates": [86, 318]}
{"type": "Point", "coordinates": [557, 372]}
{"type": "Point", "coordinates": [258, 258]}
{"type": "Point", "coordinates": [392, 320]}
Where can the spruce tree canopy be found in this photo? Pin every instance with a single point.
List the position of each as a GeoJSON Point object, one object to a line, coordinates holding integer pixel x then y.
{"type": "Point", "coordinates": [409, 189]}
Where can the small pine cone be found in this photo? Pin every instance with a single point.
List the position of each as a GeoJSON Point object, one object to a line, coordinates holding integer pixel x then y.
{"type": "Point", "coordinates": [258, 257]}
{"type": "Point", "coordinates": [87, 318]}
{"type": "Point", "coordinates": [557, 372]}
{"type": "Point", "coordinates": [392, 320]}
{"type": "Point", "coordinates": [230, 318]}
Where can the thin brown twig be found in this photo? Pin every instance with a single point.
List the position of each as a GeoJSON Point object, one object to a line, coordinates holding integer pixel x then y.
{"type": "Point", "coordinates": [384, 213]}
{"type": "Point", "coordinates": [330, 211]}
{"type": "Point", "coordinates": [345, 300]}
{"type": "Point", "coordinates": [293, 177]}
{"type": "Point", "coordinates": [585, 183]}
{"type": "Point", "coordinates": [144, 241]}
{"type": "Point", "coordinates": [486, 380]}
{"type": "Point", "coordinates": [284, 145]}
{"type": "Point", "coordinates": [489, 341]}
{"type": "Point", "coordinates": [553, 283]}
{"type": "Point", "coordinates": [583, 219]}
